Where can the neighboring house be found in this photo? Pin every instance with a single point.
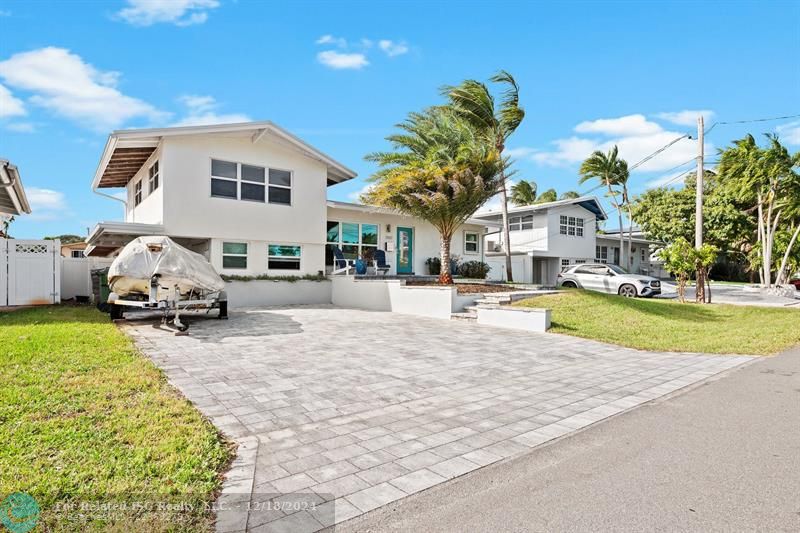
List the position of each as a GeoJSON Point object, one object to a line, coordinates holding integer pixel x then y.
{"type": "Point", "coordinates": [544, 238]}
{"type": "Point", "coordinates": [252, 198]}
{"type": "Point", "coordinates": [644, 251]}
{"type": "Point", "coordinates": [76, 250]}
{"type": "Point", "coordinates": [13, 201]}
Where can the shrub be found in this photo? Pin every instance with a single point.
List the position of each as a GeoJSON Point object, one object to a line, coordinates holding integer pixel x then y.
{"type": "Point", "coordinates": [266, 277]}
{"type": "Point", "coordinates": [474, 269]}
{"type": "Point", "coordinates": [434, 265]}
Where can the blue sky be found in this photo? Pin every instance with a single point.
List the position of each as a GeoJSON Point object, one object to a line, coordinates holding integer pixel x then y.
{"type": "Point", "coordinates": [340, 74]}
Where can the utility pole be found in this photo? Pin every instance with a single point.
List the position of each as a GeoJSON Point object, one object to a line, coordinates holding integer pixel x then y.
{"type": "Point", "coordinates": [700, 285]}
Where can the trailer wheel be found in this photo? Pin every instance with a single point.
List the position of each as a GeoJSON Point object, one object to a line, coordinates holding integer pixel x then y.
{"type": "Point", "coordinates": [223, 310]}
{"type": "Point", "coordinates": [115, 311]}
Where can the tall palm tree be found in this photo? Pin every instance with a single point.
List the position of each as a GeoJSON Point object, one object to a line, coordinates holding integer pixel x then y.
{"type": "Point", "coordinates": [441, 169]}
{"type": "Point", "coordinates": [622, 180]}
{"type": "Point", "coordinates": [523, 193]}
{"type": "Point", "coordinates": [474, 102]}
{"type": "Point", "coordinates": [606, 169]}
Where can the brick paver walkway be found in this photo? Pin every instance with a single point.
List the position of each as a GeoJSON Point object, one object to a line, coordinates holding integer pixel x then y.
{"type": "Point", "coordinates": [341, 411]}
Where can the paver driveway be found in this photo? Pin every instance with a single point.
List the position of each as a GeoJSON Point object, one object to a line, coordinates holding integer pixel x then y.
{"type": "Point", "coordinates": [348, 410]}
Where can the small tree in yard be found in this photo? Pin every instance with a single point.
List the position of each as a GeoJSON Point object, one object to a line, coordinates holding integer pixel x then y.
{"type": "Point", "coordinates": [679, 260]}
{"type": "Point", "coordinates": [704, 257]}
{"type": "Point", "coordinates": [442, 170]}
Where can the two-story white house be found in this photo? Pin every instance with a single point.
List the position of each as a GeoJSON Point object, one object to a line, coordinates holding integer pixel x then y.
{"type": "Point", "coordinates": [547, 237]}
{"type": "Point", "coordinates": [252, 198]}
{"type": "Point", "coordinates": [544, 238]}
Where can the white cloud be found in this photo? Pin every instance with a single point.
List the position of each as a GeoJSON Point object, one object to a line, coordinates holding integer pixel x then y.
{"type": "Point", "coordinates": [336, 60]}
{"type": "Point", "coordinates": [627, 125]}
{"type": "Point", "coordinates": [635, 136]}
{"type": "Point", "coordinates": [65, 84]}
{"type": "Point", "coordinates": [9, 105]}
{"type": "Point", "coordinates": [789, 133]}
{"type": "Point", "coordinates": [355, 196]}
{"type": "Point", "coordinates": [330, 39]}
{"type": "Point", "coordinates": [494, 204]}
{"type": "Point", "coordinates": [687, 117]}
{"type": "Point", "coordinates": [392, 48]}
{"type": "Point", "coordinates": [46, 204]}
{"type": "Point", "coordinates": [178, 12]}
{"type": "Point", "coordinates": [201, 111]}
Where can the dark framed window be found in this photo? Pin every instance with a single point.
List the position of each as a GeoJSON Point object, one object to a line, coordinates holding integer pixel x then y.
{"type": "Point", "coordinates": [283, 257]}
{"type": "Point", "coordinates": [224, 179]}
{"type": "Point", "coordinates": [252, 185]}
{"type": "Point", "coordinates": [234, 255]}
{"type": "Point", "coordinates": [280, 187]}
{"type": "Point", "coordinates": [153, 177]}
{"type": "Point", "coordinates": [137, 193]}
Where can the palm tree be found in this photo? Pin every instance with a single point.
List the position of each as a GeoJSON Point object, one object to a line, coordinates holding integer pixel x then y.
{"type": "Point", "coordinates": [473, 101]}
{"type": "Point", "coordinates": [523, 193]}
{"type": "Point", "coordinates": [606, 169]}
{"type": "Point", "coordinates": [550, 195]}
{"type": "Point", "coordinates": [622, 180]}
{"type": "Point", "coordinates": [441, 169]}
{"type": "Point", "coordinates": [569, 195]}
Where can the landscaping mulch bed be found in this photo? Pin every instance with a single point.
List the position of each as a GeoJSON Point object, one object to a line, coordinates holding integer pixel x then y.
{"type": "Point", "coordinates": [465, 288]}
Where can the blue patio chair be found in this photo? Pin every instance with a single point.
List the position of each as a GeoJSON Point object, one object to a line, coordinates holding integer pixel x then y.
{"type": "Point", "coordinates": [379, 262]}
{"type": "Point", "coordinates": [340, 264]}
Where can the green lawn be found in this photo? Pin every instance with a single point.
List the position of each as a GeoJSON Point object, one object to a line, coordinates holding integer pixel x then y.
{"type": "Point", "coordinates": [84, 417]}
{"type": "Point", "coordinates": [667, 325]}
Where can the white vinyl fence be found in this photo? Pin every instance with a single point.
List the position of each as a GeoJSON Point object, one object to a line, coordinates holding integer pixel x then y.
{"type": "Point", "coordinates": [76, 277]}
{"type": "Point", "coordinates": [30, 272]}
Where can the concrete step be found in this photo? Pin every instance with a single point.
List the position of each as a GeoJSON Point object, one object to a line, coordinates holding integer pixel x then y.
{"type": "Point", "coordinates": [464, 316]}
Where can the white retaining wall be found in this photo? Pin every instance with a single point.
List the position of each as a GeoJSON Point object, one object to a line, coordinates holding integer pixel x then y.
{"type": "Point", "coordinates": [526, 319]}
{"type": "Point", "coordinates": [392, 295]}
{"type": "Point", "coordinates": [257, 293]}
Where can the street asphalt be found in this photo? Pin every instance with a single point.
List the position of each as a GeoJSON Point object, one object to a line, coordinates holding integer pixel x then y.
{"type": "Point", "coordinates": [721, 456]}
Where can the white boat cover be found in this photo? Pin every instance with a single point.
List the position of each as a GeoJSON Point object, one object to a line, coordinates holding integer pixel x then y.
{"type": "Point", "coordinates": [144, 257]}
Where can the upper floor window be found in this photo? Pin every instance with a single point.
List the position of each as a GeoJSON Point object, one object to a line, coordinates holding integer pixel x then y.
{"type": "Point", "coordinates": [644, 255]}
{"type": "Point", "coordinates": [77, 254]}
{"type": "Point", "coordinates": [470, 242]}
{"type": "Point", "coordinates": [250, 182]}
{"type": "Point", "coordinates": [520, 223]}
{"type": "Point", "coordinates": [572, 226]}
{"type": "Point", "coordinates": [280, 187]}
{"type": "Point", "coordinates": [153, 177]}
{"type": "Point", "coordinates": [234, 255]}
{"type": "Point", "coordinates": [283, 257]}
{"type": "Point", "coordinates": [137, 193]}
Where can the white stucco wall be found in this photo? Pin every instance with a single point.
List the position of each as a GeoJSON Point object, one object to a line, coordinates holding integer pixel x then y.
{"type": "Point", "coordinates": [394, 296]}
{"type": "Point", "coordinates": [566, 246]}
{"type": "Point", "coordinates": [425, 239]}
{"type": "Point", "coordinates": [259, 293]}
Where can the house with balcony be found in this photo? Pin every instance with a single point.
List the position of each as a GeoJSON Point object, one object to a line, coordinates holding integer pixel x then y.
{"type": "Point", "coordinates": [252, 198]}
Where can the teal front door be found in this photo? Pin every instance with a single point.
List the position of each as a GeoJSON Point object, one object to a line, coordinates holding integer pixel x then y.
{"type": "Point", "coordinates": [405, 252]}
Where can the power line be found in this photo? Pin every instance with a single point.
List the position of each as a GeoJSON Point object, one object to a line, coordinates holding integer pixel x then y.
{"type": "Point", "coordinates": [651, 156]}
{"type": "Point", "coordinates": [768, 119]}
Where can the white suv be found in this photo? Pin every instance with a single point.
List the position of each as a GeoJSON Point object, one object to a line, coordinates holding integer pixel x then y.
{"type": "Point", "coordinates": [608, 278]}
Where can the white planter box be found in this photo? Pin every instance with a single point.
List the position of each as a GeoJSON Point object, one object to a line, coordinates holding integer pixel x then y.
{"type": "Point", "coordinates": [526, 319]}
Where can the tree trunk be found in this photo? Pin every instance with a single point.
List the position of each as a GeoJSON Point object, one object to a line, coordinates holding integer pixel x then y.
{"type": "Point", "coordinates": [782, 271]}
{"type": "Point", "coordinates": [700, 286]}
{"type": "Point", "coordinates": [445, 277]}
{"type": "Point", "coordinates": [630, 238]}
{"type": "Point", "coordinates": [761, 239]}
{"type": "Point", "coordinates": [707, 275]}
{"type": "Point", "coordinates": [506, 232]}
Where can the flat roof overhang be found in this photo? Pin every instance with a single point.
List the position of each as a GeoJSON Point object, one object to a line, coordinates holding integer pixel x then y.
{"type": "Point", "coordinates": [12, 195]}
{"type": "Point", "coordinates": [127, 150]}
{"type": "Point", "coordinates": [107, 237]}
